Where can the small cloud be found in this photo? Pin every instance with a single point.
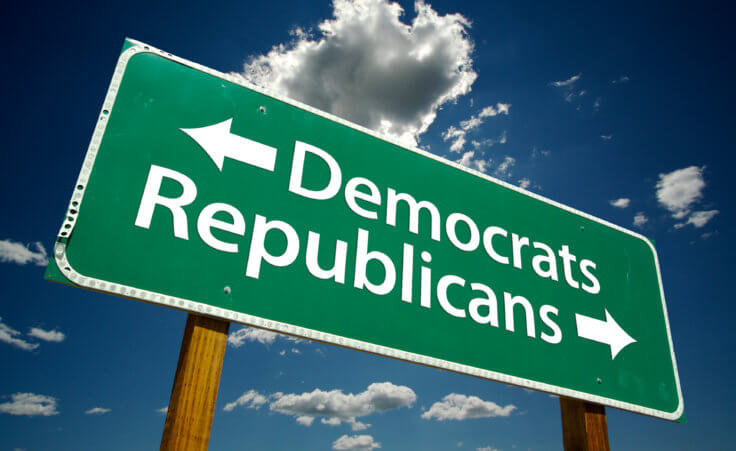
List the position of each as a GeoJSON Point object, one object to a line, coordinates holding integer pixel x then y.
{"type": "Point", "coordinates": [640, 219]}
{"type": "Point", "coordinates": [164, 410]}
{"type": "Point", "coordinates": [459, 444]}
{"type": "Point", "coordinates": [620, 80]}
{"type": "Point", "coordinates": [678, 190]}
{"type": "Point", "coordinates": [606, 137]}
{"type": "Point", "coordinates": [458, 135]}
{"type": "Point", "coordinates": [11, 337]}
{"type": "Point", "coordinates": [504, 169]}
{"type": "Point", "coordinates": [698, 219]}
{"type": "Point", "coordinates": [597, 104]}
{"type": "Point", "coordinates": [355, 443]}
{"type": "Point", "coordinates": [282, 352]}
{"type": "Point", "coordinates": [295, 351]}
{"type": "Point", "coordinates": [487, 448]}
{"type": "Point", "coordinates": [305, 420]}
{"type": "Point", "coordinates": [47, 335]}
{"type": "Point", "coordinates": [469, 161]}
{"type": "Point", "coordinates": [524, 183]}
{"type": "Point", "coordinates": [622, 202]}
{"type": "Point", "coordinates": [97, 411]}
{"type": "Point", "coordinates": [18, 253]}
{"type": "Point", "coordinates": [30, 404]}
{"type": "Point", "coordinates": [461, 407]}
{"type": "Point", "coordinates": [569, 82]}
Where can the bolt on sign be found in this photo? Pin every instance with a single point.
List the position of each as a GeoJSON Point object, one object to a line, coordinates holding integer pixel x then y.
{"type": "Point", "coordinates": [206, 194]}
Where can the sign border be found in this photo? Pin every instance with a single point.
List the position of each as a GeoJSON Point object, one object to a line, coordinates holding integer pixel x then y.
{"type": "Point", "coordinates": [199, 308]}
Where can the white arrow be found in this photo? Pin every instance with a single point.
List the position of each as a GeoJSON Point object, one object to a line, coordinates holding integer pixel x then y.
{"type": "Point", "coordinates": [607, 332]}
{"type": "Point", "coordinates": [219, 143]}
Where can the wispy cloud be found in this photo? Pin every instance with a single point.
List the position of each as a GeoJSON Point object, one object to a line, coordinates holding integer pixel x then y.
{"type": "Point", "coordinates": [369, 67]}
{"type": "Point", "coordinates": [458, 135]}
{"type": "Point", "coordinates": [30, 404]}
{"type": "Point", "coordinates": [21, 254]}
{"type": "Point", "coordinates": [47, 335]}
{"type": "Point", "coordinates": [97, 411]}
{"type": "Point", "coordinates": [251, 334]}
{"type": "Point", "coordinates": [504, 168]}
{"type": "Point", "coordinates": [606, 137]}
{"type": "Point", "coordinates": [622, 202]}
{"type": "Point", "coordinates": [698, 219]}
{"type": "Point", "coordinates": [163, 410]}
{"type": "Point", "coordinates": [565, 83]}
{"type": "Point", "coordinates": [524, 183]}
{"type": "Point", "coordinates": [461, 407]}
{"type": "Point", "coordinates": [12, 337]}
{"type": "Point", "coordinates": [355, 443]}
{"type": "Point", "coordinates": [250, 400]}
{"type": "Point", "coordinates": [621, 79]}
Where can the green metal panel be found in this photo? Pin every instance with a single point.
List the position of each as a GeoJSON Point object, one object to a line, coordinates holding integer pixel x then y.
{"type": "Point", "coordinates": [154, 95]}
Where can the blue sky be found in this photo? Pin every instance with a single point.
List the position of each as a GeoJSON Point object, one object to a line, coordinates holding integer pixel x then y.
{"type": "Point", "coordinates": [591, 106]}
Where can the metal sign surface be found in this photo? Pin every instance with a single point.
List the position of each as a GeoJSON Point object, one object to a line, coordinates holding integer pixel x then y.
{"type": "Point", "coordinates": [202, 193]}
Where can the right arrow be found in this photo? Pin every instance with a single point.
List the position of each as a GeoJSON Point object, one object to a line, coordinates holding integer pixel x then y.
{"type": "Point", "coordinates": [606, 332]}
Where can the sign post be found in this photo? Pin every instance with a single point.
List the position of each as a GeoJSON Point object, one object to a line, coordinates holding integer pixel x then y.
{"type": "Point", "coordinates": [203, 193]}
{"type": "Point", "coordinates": [583, 426]}
{"type": "Point", "coordinates": [193, 396]}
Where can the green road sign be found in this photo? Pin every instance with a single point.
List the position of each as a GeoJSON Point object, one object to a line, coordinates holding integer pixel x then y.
{"type": "Point", "coordinates": [202, 193]}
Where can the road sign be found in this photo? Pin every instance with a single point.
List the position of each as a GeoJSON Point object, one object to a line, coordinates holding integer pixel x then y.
{"type": "Point", "coordinates": [202, 193]}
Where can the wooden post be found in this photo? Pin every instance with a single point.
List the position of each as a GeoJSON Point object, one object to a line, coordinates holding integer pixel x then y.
{"type": "Point", "coordinates": [197, 379]}
{"type": "Point", "coordinates": [583, 425]}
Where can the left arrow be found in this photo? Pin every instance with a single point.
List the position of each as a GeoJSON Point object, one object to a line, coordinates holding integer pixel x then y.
{"type": "Point", "coordinates": [219, 143]}
{"type": "Point", "coordinates": [606, 332]}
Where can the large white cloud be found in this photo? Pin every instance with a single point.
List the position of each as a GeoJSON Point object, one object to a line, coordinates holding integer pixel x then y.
{"type": "Point", "coordinates": [369, 67]}
{"type": "Point", "coordinates": [678, 190]}
{"type": "Point", "coordinates": [461, 407]}
{"type": "Point", "coordinates": [336, 407]}
{"type": "Point", "coordinates": [355, 443]}
{"type": "Point", "coordinates": [14, 252]}
{"type": "Point", "coordinates": [30, 404]}
{"type": "Point", "coordinates": [11, 336]}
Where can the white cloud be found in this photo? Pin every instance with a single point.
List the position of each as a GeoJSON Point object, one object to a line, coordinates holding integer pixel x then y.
{"type": "Point", "coordinates": [282, 352]}
{"type": "Point", "coordinates": [487, 448]}
{"type": "Point", "coordinates": [597, 104]}
{"type": "Point", "coordinates": [678, 190]}
{"type": "Point", "coordinates": [622, 202]}
{"type": "Point", "coordinates": [469, 161]}
{"type": "Point", "coordinates": [524, 183]}
{"type": "Point", "coordinates": [47, 335]}
{"type": "Point", "coordinates": [536, 153]}
{"type": "Point", "coordinates": [164, 410]}
{"type": "Point", "coordinates": [367, 66]}
{"type": "Point", "coordinates": [606, 137]}
{"type": "Point", "coordinates": [504, 169]}
{"type": "Point", "coordinates": [569, 82]}
{"type": "Point", "coordinates": [458, 135]}
{"type": "Point", "coordinates": [460, 407]}
{"type": "Point", "coordinates": [640, 219]}
{"type": "Point", "coordinates": [240, 336]}
{"type": "Point", "coordinates": [295, 351]}
{"type": "Point", "coordinates": [355, 443]}
{"type": "Point", "coordinates": [10, 336]}
{"type": "Point", "coordinates": [14, 252]}
{"type": "Point", "coordinates": [621, 79]}
{"type": "Point", "coordinates": [250, 399]}
{"type": "Point", "coordinates": [30, 404]}
{"type": "Point", "coordinates": [698, 219]}
{"type": "Point", "coordinates": [97, 411]}
{"type": "Point", "coordinates": [337, 406]}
